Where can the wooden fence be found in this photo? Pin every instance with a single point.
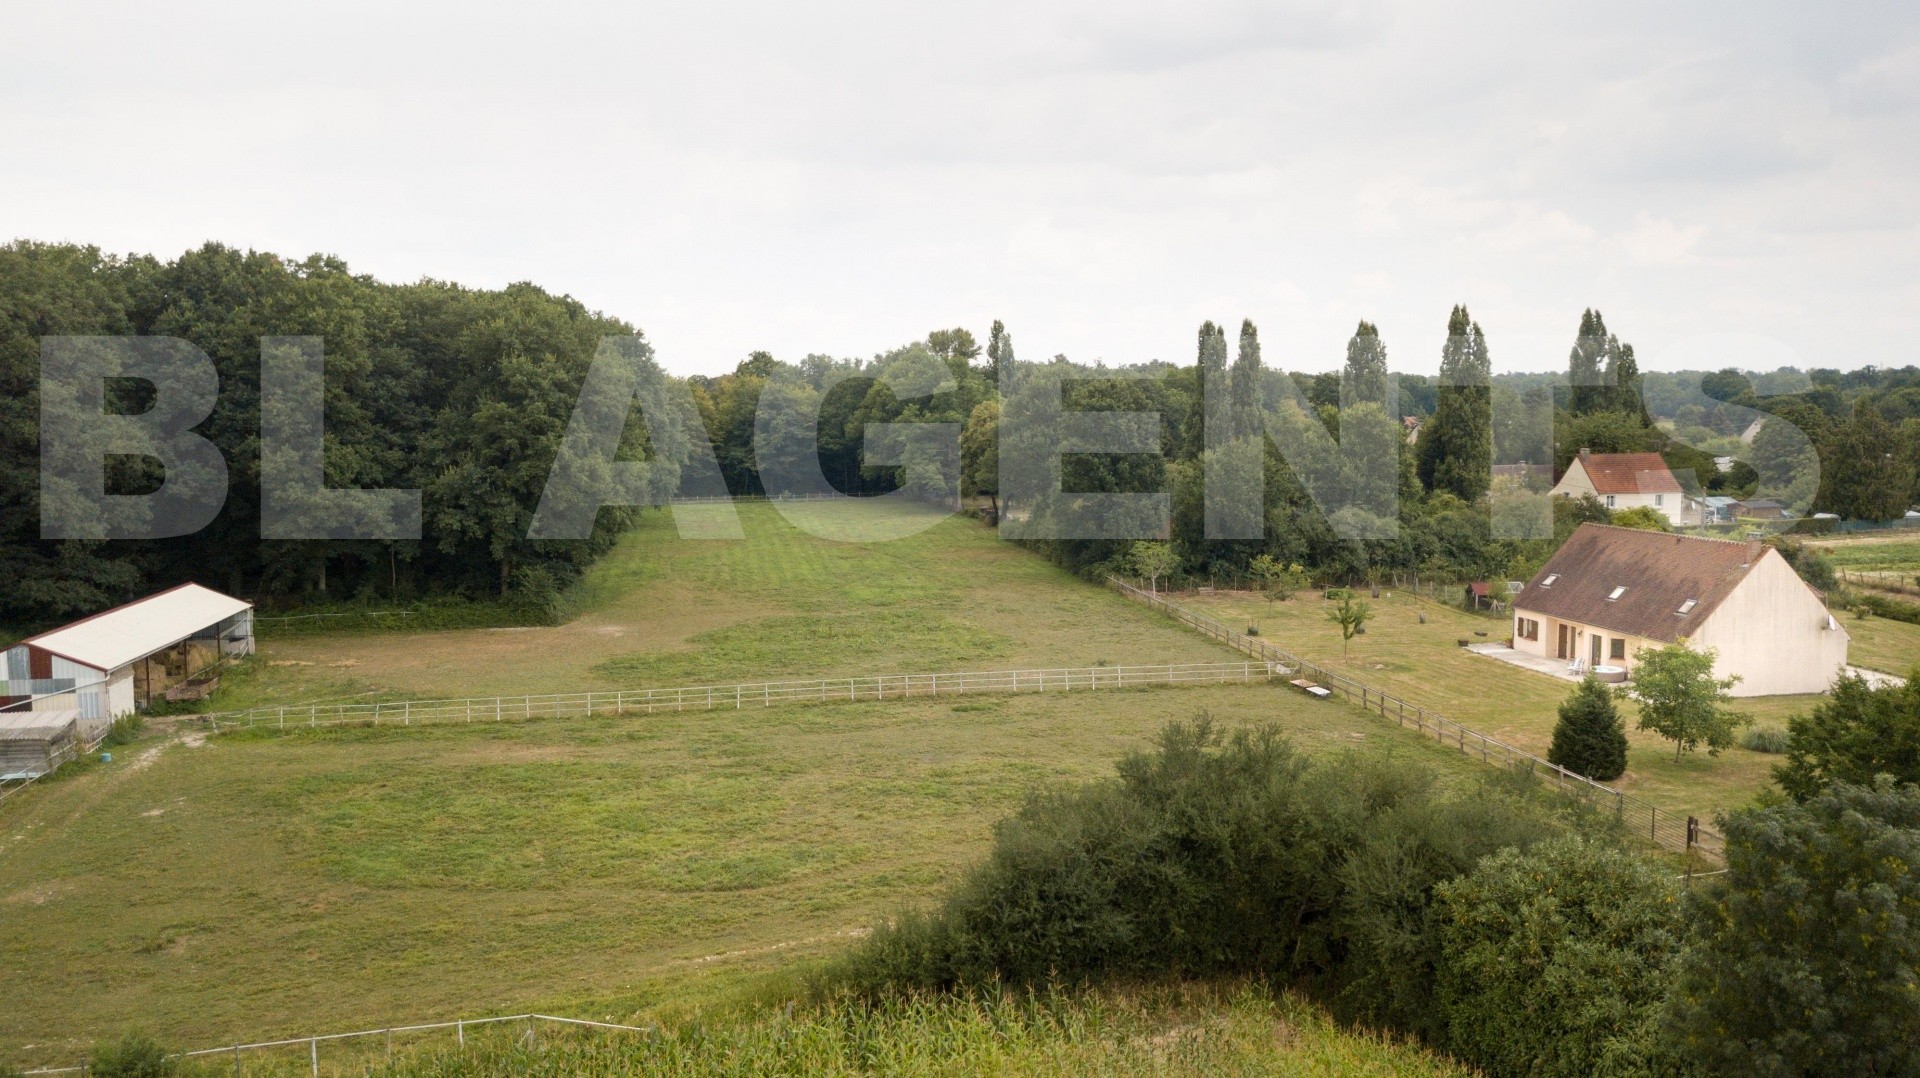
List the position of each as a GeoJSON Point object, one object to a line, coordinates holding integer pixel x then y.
{"type": "Point", "coordinates": [1903, 582]}
{"type": "Point", "coordinates": [741, 696]}
{"type": "Point", "coordinates": [1675, 831]}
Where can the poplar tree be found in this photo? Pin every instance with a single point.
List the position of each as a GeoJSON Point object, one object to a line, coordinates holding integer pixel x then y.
{"type": "Point", "coordinates": [1586, 391]}
{"type": "Point", "coordinates": [1623, 382]}
{"type": "Point", "coordinates": [1364, 380]}
{"type": "Point", "coordinates": [1455, 448]}
{"type": "Point", "coordinates": [1000, 354]}
{"type": "Point", "coordinates": [1245, 380]}
{"type": "Point", "coordinates": [1212, 360]}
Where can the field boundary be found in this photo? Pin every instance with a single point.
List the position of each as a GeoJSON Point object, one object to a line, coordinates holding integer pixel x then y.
{"type": "Point", "coordinates": [1683, 834]}
{"type": "Point", "coordinates": [312, 1043]}
{"type": "Point", "coordinates": [741, 696]}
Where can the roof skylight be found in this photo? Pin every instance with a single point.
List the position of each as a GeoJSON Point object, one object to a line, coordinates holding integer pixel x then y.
{"type": "Point", "coordinates": [1617, 593]}
{"type": "Point", "coordinates": [1548, 582]}
{"type": "Point", "coordinates": [1687, 607]}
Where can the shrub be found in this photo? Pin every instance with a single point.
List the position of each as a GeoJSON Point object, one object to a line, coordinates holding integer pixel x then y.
{"type": "Point", "coordinates": [1768, 739]}
{"type": "Point", "coordinates": [1589, 738]}
{"type": "Point", "coordinates": [1892, 609]}
{"type": "Point", "coordinates": [1857, 732]}
{"type": "Point", "coordinates": [1814, 949]}
{"type": "Point", "coordinates": [125, 730]}
{"type": "Point", "coordinates": [134, 1055]}
{"type": "Point", "coordinates": [1557, 961]}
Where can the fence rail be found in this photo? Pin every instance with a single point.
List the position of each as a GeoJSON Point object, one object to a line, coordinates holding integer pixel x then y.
{"type": "Point", "coordinates": [1681, 833]}
{"type": "Point", "coordinates": [741, 696]}
{"type": "Point", "coordinates": [1904, 581]}
{"type": "Point", "coordinates": [313, 1043]}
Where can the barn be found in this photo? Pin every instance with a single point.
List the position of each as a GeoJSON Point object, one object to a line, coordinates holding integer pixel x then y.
{"type": "Point", "coordinates": [121, 660]}
{"type": "Point", "coordinates": [1609, 592]}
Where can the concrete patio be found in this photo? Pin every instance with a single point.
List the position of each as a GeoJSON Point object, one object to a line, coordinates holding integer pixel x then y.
{"type": "Point", "coordinates": [1537, 664]}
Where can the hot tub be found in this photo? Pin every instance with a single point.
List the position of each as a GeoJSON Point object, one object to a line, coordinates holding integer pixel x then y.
{"type": "Point", "coordinates": [1612, 675]}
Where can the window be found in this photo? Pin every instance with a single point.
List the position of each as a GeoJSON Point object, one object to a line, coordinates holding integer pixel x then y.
{"type": "Point", "coordinates": [1527, 629]}
{"type": "Point", "coordinates": [1548, 582]}
{"type": "Point", "coordinates": [1616, 593]}
{"type": "Point", "coordinates": [1687, 607]}
{"type": "Point", "coordinates": [1617, 649]}
{"type": "Point", "coordinates": [1659, 499]}
{"type": "Point", "coordinates": [1609, 501]}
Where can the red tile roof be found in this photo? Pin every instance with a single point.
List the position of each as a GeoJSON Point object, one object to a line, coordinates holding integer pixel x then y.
{"type": "Point", "coordinates": [1629, 473]}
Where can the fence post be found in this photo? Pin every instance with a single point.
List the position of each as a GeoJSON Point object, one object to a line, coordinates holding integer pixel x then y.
{"type": "Point", "coordinates": [313, 1047]}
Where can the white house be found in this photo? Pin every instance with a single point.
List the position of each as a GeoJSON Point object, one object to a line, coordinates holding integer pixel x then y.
{"type": "Point", "coordinates": [1627, 481]}
{"type": "Point", "coordinates": [107, 665]}
{"type": "Point", "coordinates": [1608, 592]}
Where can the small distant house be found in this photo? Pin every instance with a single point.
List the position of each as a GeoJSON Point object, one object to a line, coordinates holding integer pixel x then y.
{"type": "Point", "coordinates": [1412, 425]}
{"type": "Point", "coordinates": [119, 660]}
{"type": "Point", "coordinates": [1625, 481]}
{"type": "Point", "coordinates": [1760, 509]}
{"type": "Point", "coordinates": [1717, 509]}
{"type": "Point", "coordinates": [1609, 592]}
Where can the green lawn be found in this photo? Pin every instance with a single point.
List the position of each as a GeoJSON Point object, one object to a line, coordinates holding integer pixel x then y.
{"type": "Point", "coordinates": [1871, 553]}
{"type": "Point", "coordinates": [662, 611]}
{"type": "Point", "coordinates": [263, 885]}
{"type": "Point", "coordinates": [1424, 664]}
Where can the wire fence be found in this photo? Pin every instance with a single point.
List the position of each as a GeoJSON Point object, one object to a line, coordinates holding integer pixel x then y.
{"type": "Point", "coordinates": [460, 1028]}
{"type": "Point", "coordinates": [1904, 582]}
{"type": "Point", "coordinates": [739, 697]}
{"type": "Point", "coordinates": [1675, 831]}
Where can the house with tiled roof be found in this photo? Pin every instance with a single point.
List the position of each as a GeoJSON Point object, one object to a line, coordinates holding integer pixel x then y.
{"type": "Point", "coordinates": [1610, 592]}
{"type": "Point", "coordinates": [1627, 481]}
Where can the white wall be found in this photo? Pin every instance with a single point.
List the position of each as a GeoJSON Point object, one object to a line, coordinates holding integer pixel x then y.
{"type": "Point", "coordinates": [1772, 631]}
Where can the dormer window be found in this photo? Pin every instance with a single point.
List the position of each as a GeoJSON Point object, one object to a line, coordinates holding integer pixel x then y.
{"type": "Point", "coordinates": [1548, 582]}
{"type": "Point", "coordinates": [1687, 607]}
{"type": "Point", "coordinates": [1617, 593]}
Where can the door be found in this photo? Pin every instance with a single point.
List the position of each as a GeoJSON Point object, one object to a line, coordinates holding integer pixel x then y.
{"type": "Point", "coordinates": [1562, 650]}
{"type": "Point", "coordinates": [1597, 641]}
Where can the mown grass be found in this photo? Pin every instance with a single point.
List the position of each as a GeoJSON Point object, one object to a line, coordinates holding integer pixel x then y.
{"type": "Point", "coordinates": [1424, 664]}
{"type": "Point", "coordinates": [660, 610]}
{"type": "Point", "coordinates": [263, 885]}
{"type": "Point", "coordinates": [1870, 554]}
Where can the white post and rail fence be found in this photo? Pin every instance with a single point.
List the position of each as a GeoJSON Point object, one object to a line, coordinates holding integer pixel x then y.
{"type": "Point", "coordinates": [1675, 831]}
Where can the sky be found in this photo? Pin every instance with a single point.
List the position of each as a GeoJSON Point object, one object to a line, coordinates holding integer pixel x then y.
{"type": "Point", "coordinates": [1729, 187]}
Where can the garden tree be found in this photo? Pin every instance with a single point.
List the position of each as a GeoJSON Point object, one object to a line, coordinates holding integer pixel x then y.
{"type": "Point", "coordinates": [1000, 354]}
{"type": "Point", "coordinates": [1813, 566]}
{"type": "Point", "coordinates": [955, 344]}
{"type": "Point", "coordinates": [1455, 447]}
{"type": "Point", "coordinates": [1586, 392]}
{"type": "Point", "coordinates": [1365, 378]}
{"type": "Point", "coordinates": [1602, 432]}
{"type": "Point", "coordinates": [1152, 560]}
{"type": "Point", "coordinates": [1682, 701]}
{"type": "Point", "coordinates": [1811, 948]}
{"type": "Point", "coordinates": [1866, 475]}
{"type": "Point", "coordinates": [1644, 517]}
{"type": "Point", "coordinates": [1852, 735]}
{"type": "Point", "coordinates": [1245, 384]}
{"type": "Point", "coordinates": [1277, 580]}
{"type": "Point", "coordinates": [980, 452]}
{"type": "Point", "coordinates": [1350, 613]}
{"type": "Point", "coordinates": [1589, 739]}
{"type": "Point", "coordinates": [1558, 961]}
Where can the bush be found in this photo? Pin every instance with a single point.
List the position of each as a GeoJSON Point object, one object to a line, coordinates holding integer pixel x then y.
{"type": "Point", "coordinates": [1557, 961]}
{"type": "Point", "coordinates": [1891, 609]}
{"type": "Point", "coordinates": [1814, 948]}
{"type": "Point", "coordinates": [1768, 739]}
{"type": "Point", "coordinates": [1589, 738]}
{"type": "Point", "coordinates": [125, 730]}
{"type": "Point", "coordinates": [1857, 732]}
{"type": "Point", "coordinates": [134, 1055]}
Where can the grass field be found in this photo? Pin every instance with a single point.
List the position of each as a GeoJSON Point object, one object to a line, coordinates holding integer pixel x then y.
{"type": "Point", "coordinates": [663, 611]}
{"type": "Point", "coordinates": [1424, 664]}
{"type": "Point", "coordinates": [261, 885]}
{"type": "Point", "coordinates": [1871, 553]}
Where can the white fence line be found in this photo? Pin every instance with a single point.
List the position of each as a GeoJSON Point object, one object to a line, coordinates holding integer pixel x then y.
{"type": "Point", "coordinates": [741, 696]}
{"type": "Point", "coordinates": [313, 1043]}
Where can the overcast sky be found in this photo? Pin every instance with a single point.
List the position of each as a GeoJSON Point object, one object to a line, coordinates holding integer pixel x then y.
{"type": "Point", "coordinates": [1103, 176]}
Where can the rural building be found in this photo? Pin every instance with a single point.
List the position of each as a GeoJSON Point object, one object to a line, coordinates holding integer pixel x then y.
{"type": "Point", "coordinates": [1626, 481]}
{"type": "Point", "coordinates": [1610, 591]}
{"type": "Point", "coordinates": [107, 665]}
{"type": "Point", "coordinates": [33, 743]}
{"type": "Point", "coordinates": [1760, 509]}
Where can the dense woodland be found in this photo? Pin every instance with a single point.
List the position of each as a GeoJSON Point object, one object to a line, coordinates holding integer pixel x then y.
{"type": "Point", "coordinates": [463, 394]}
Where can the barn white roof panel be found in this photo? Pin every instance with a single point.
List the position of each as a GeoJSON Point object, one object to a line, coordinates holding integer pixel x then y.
{"type": "Point", "coordinates": [114, 638]}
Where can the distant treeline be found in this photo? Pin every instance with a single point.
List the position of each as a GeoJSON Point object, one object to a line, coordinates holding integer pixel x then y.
{"type": "Point", "coordinates": [464, 394]}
